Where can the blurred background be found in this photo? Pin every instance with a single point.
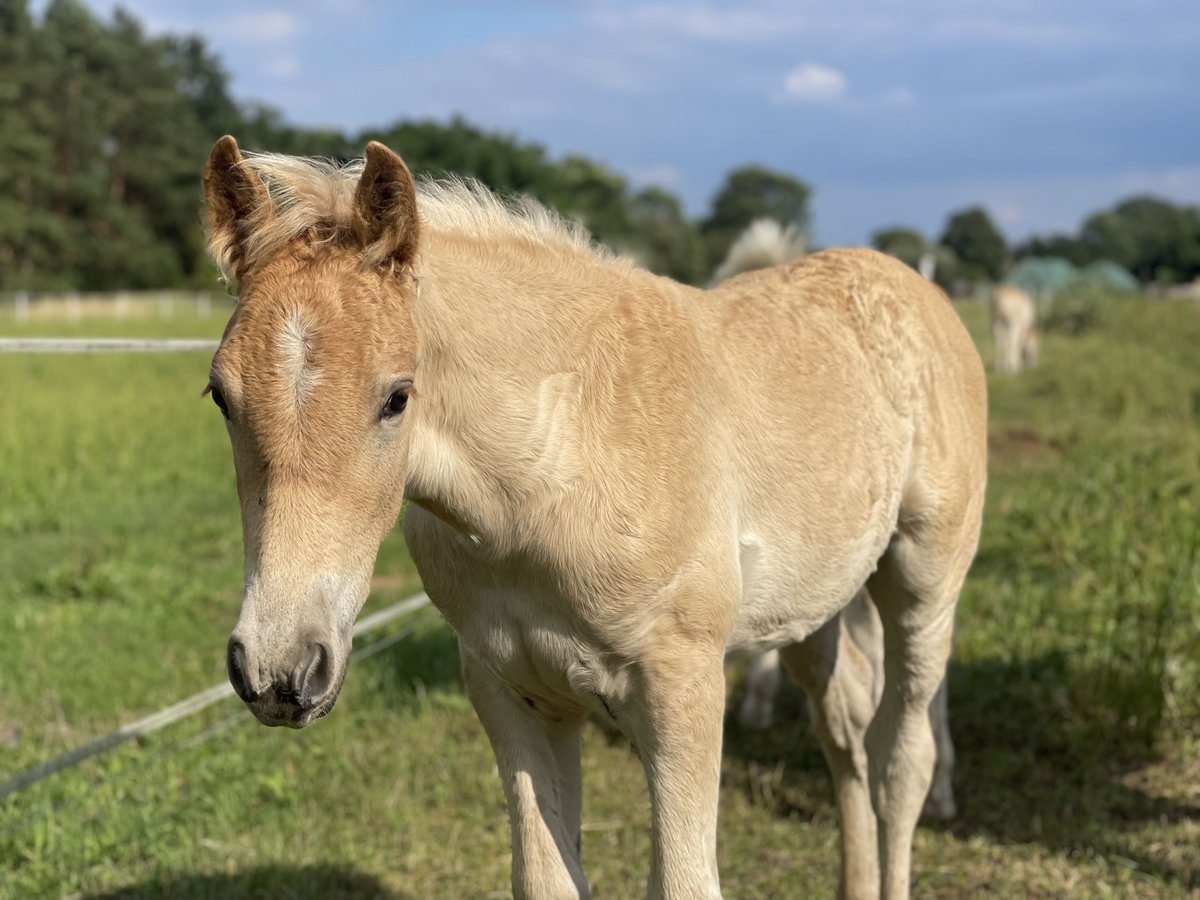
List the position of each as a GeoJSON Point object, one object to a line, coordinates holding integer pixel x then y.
{"type": "Point", "coordinates": [1051, 147]}
{"type": "Point", "coordinates": [990, 133]}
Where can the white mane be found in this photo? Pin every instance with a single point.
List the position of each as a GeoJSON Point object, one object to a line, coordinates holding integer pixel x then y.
{"type": "Point", "coordinates": [316, 196]}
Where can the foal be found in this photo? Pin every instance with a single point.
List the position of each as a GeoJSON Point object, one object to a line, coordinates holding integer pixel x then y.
{"type": "Point", "coordinates": [613, 479]}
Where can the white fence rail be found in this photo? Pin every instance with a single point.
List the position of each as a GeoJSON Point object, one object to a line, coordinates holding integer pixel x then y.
{"type": "Point", "coordinates": [29, 306]}
{"type": "Point", "coordinates": [104, 345]}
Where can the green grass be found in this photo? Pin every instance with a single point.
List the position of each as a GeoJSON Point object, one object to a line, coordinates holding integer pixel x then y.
{"type": "Point", "coordinates": [1075, 686]}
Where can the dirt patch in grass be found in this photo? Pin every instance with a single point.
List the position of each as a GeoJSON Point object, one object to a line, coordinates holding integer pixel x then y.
{"type": "Point", "coordinates": [1018, 445]}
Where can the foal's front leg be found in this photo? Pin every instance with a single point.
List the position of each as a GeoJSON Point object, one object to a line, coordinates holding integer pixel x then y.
{"type": "Point", "coordinates": [677, 721]}
{"type": "Point", "coordinates": [537, 754]}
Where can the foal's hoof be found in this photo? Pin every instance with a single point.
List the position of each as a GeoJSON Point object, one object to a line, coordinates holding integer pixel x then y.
{"type": "Point", "coordinates": [756, 716]}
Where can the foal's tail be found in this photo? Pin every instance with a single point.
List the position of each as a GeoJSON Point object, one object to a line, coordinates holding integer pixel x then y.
{"type": "Point", "coordinates": [764, 244]}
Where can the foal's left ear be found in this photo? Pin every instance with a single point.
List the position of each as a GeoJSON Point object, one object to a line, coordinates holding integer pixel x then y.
{"type": "Point", "coordinates": [385, 204]}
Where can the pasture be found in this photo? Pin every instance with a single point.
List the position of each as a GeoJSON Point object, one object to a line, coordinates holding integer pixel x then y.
{"type": "Point", "coordinates": [1075, 684]}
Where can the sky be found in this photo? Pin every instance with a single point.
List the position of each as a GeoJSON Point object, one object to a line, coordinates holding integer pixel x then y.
{"type": "Point", "coordinates": [1043, 111]}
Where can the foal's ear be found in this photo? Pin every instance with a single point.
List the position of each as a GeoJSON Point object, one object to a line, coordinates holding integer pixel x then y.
{"type": "Point", "coordinates": [385, 205]}
{"type": "Point", "coordinates": [235, 202]}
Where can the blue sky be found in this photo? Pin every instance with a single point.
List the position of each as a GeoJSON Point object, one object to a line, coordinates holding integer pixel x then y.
{"type": "Point", "coordinates": [895, 113]}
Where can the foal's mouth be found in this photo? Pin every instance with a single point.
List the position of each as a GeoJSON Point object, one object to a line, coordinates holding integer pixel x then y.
{"type": "Point", "coordinates": [276, 710]}
{"type": "Point", "coordinates": [301, 718]}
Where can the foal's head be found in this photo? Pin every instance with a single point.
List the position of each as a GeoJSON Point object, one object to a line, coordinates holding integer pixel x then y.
{"type": "Point", "coordinates": [313, 377]}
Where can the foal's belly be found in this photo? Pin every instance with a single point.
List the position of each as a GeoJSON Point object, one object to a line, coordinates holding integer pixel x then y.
{"type": "Point", "coordinates": [783, 602]}
{"type": "Point", "coordinates": [792, 583]}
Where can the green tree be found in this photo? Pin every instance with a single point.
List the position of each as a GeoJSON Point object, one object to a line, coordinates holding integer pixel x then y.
{"type": "Point", "coordinates": [665, 240]}
{"type": "Point", "coordinates": [1152, 238]}
{"type": "Point", "coordinates": [203, 81]}
{"type": "Point", "coordinates": [906, 244]}
{"type": "Point", "coordinates": [98, 156]}
{"type": "Point", "coordinates": [977, 245]}
{"type": "Point", "coordinates": [104, 132]}
{"type": "Point", "coordinates": [30, 233]}
{"type": "Point", "coordinates": [749, 193]}
{"type": "Point", "coordinates": [1063, 246]}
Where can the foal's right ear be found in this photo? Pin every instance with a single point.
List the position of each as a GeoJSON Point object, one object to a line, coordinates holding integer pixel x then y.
{"type": "Point", "coordinates": [235, 203]}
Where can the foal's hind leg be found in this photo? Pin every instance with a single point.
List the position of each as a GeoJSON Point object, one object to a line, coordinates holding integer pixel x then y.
{"type": "Point", "coordinates": [839, 682]}
{"type": "Point", "coordinates": [915, 590]}
{"type": "Point", "coordinates": [861, 622]}
{"type": "Point", "coordinates": [762, 686]}
{"type": "Point", "coordinates": [940, 805]}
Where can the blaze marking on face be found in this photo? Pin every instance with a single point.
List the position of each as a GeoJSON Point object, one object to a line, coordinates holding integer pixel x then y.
{"type": "Point", "coordinates": [294, 343]}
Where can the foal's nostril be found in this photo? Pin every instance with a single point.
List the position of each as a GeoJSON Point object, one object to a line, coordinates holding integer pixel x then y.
{"type": "Point", "coordinates": [314, 675]}
{"type": "Point", "coordinates": [235, 663]}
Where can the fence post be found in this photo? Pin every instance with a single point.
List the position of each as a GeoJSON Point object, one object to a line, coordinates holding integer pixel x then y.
{"type": "Point", "coordinates": [22, 306]}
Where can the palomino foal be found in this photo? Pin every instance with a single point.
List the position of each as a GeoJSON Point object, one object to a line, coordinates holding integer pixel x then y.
{"type": "Point", "coordinates": [613, 479]}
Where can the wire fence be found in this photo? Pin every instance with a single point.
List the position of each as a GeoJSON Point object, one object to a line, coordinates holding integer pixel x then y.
{"type": "Point", "coordinates": [182, 710]}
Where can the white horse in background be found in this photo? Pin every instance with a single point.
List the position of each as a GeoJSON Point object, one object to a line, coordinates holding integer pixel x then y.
{"type": "Point", "coordinates": [1014, 329]}
{"type": "Point", "coordinates": [763, 244]}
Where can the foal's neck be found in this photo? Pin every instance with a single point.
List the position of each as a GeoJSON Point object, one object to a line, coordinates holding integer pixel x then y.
{"type": "Point", "coordinates": [510, 333]}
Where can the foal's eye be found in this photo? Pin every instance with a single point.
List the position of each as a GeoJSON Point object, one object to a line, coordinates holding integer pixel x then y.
{"type": "Point", "coordinates": [395, 404]}
{"type": "Point", "coordinates": [219, 399]}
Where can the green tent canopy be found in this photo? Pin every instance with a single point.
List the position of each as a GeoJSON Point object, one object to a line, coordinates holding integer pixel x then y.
{"type": "Point", "coordinates": [1043, 275]}
{"type": "Point", "coordinates": [1108, 274]}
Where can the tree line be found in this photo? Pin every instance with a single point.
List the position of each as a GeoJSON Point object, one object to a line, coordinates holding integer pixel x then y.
{"type": "Point", "coordinates": [106, 128]}
{"type": "Point", "coordinates": [1155, 240]}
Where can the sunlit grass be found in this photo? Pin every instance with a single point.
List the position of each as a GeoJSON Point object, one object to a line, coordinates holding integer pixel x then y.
{"type": "Point", "coordinates": [1074, 695]}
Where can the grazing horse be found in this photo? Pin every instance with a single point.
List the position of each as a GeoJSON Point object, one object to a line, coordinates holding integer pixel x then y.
{"type": "Point", "coordinates": [1014, 329]}
{"type": "Point", "coordinates": [763, 244]}
{"type": "Point", "coordinates": [613, 479]}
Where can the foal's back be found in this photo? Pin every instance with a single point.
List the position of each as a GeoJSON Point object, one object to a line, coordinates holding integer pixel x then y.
{"type": "Point", "coordinates": [845, 382]}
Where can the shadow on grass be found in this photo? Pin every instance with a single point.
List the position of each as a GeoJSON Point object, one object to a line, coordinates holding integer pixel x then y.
{"type": "Point", "coordinates": [1031, 768]}
{"type": "Point", "coordinates": [323, 880]}
{"type": "Point", "coordinates": [427, 659]}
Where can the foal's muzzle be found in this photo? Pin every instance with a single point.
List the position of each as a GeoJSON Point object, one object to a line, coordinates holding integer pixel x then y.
{"type": "Point", "coordinates": [303, 691]}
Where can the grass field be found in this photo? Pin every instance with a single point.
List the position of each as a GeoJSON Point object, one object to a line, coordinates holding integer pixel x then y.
{"type": "Point", "coordinates": [1075, 691]}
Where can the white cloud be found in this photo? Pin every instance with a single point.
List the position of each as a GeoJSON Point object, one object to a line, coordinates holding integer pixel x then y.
{"type": "Point", "coordinates": [1009, 214]}
{"type": "Point", "coordinates": [282, 67]}
{"type": "Point", "coordinates": [1179, 182]}
{"type": "Point", "coordinates": [723, 26]}
{"type": "Point", "coordinates": [899, 96]}
{"type": "Point", "coordinates": [661, 175]}
{"type": "Point", "coordinates": [1014, 32]}
{"type": "Point", "coordinates": [266, 27]}
{"type": "Point", "coordinates": [814, 83]}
